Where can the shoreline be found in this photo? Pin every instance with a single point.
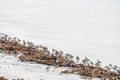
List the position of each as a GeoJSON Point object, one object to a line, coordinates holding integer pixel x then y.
{"type": "Point", "coordinates": [27, 51]}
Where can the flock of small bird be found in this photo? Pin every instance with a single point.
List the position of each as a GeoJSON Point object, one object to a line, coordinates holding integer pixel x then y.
{"type": "Point", "coordinates": [86, 61]}
{"type": "Point", "coordinates": [110, 67]}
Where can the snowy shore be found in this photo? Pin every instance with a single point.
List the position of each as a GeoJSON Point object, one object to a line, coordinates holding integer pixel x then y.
{"type": "Point", "coordinates": [12, 68]}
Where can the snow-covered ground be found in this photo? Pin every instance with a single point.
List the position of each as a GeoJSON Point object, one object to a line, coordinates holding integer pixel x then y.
{"type": "Point", "coordinates": [80, 27]}
{"type": "Point", "coordinates": [12, 69]}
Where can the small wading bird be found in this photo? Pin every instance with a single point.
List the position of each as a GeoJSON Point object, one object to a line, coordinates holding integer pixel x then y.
{"type": "Point", "coordinates": [85, 62]}
{"type": "Point", "coordinates": [9, 39]}
{"type": "Point", "coordinates": [77, 59]}
{"type": "Point", "coordinates": [98, 63]}
{"type": "Point", "coordinates": [24, 42]}
{"type": "Point", "coordinates": [55, 52]}
{"type": "Point", "coordinates": [30, 44]}
{"type": "Point", "coordinates": [37, 47]}
{"type": "Point", "coordinates": [91, 63]}
{"type": "Point", "coordinates": [18, 40]}
{"type": "Point", "coordinates": [61, 53]}
{"type": "Point", "coordinates": [118, 70]}
{"type": "Point", "coordinates": [68, 56]}
{"type": "Point", "coordinates": [87, 59]}
{"type": "Point", "coordinates": [107, 67]}
{"type": "Point", "coordinates": [44, 49]}
{"type": "Point", "coordinates": [110, 66]}
{"type": "Point", "coordinates": [14, 39]}
{"type": "Point", "coordinates": [115, 68]}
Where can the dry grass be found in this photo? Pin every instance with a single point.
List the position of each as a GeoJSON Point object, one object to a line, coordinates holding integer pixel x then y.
{"type": "Point", "coordinates": [38, 56]}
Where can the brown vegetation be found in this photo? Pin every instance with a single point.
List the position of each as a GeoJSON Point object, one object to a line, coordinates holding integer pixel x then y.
{"type": "Point", "coordinates": [3, 78]}
{"type": "Point", "coordinates": [32, 54]}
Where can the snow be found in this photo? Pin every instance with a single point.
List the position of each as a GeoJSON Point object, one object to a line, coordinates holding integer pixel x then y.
{"type": "Point", "coordinates": [79, 27]}
{"type": "Point", "coordinates": [11, 68]}
{"type": "Point", "coordinates": [85, 28]}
